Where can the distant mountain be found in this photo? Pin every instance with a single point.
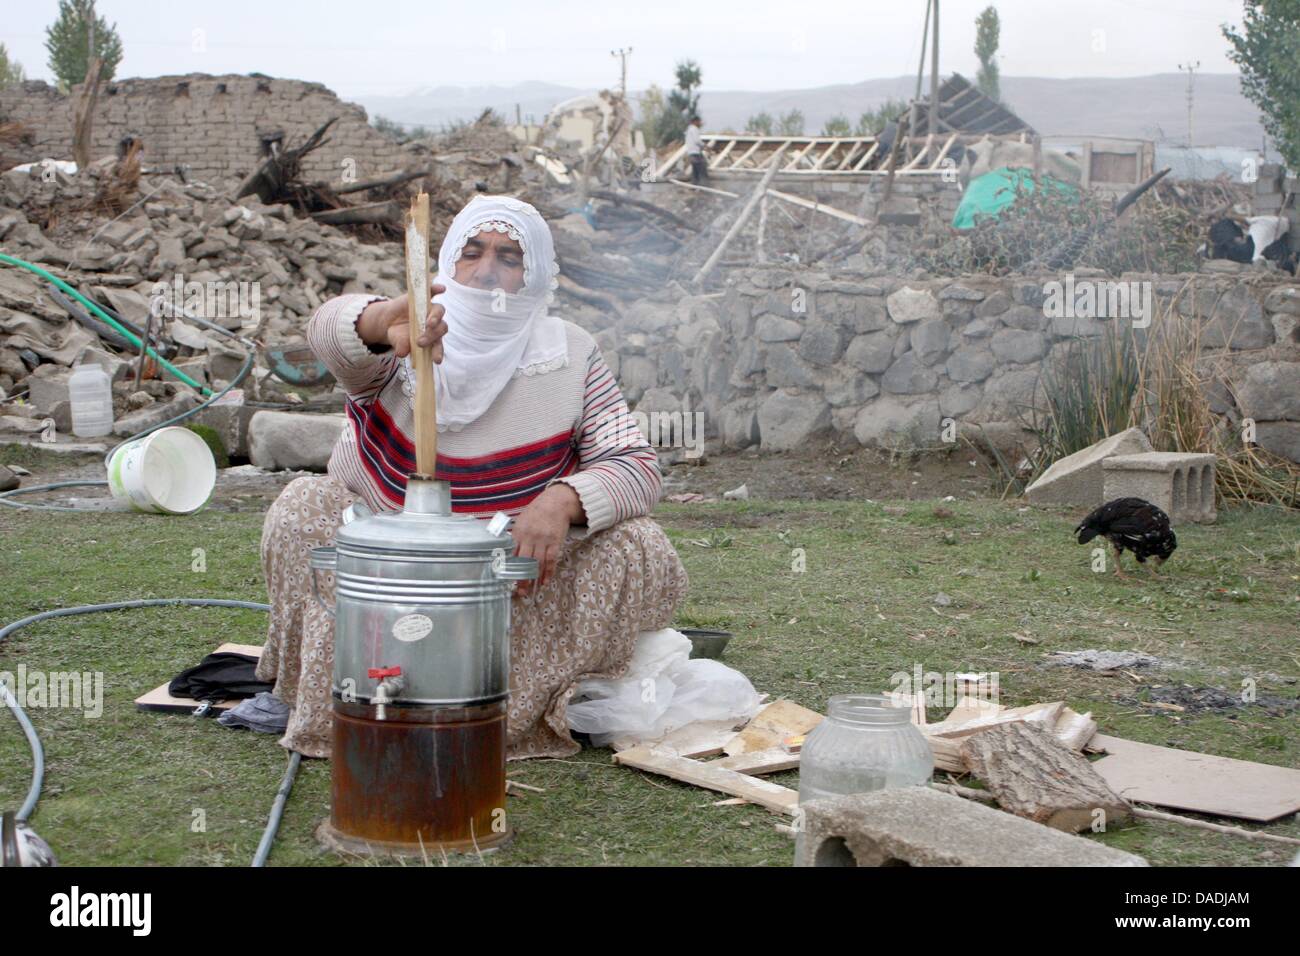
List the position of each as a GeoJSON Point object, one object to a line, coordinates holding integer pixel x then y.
{"type": "Point", "coordinates": [435, 106]}
{"type": "Point", "coordinates": [1147, 107]}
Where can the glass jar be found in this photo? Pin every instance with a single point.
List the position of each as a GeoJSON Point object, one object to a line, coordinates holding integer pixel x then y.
{"type": "Point", "coordinates": [866, 742]}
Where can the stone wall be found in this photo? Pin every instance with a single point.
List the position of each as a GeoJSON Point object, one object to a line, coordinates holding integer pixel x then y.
{"type": "Point", "coordinates": [212, 124]}
{"type": "Point", "coordinates": [782, 356]}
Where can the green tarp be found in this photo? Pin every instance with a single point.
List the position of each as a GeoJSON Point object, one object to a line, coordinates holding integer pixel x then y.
{"type": "Point", "coordinates": [994, 191]}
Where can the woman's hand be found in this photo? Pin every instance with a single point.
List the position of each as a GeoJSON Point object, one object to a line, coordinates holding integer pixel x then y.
{"type": "Point", "coordinates": [388, 323]}
{"type": "Point", "coordinates": [541, 528]}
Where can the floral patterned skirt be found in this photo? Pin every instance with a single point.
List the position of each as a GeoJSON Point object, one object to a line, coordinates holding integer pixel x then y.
{"type": "Point", "coordinates": [584, 622]}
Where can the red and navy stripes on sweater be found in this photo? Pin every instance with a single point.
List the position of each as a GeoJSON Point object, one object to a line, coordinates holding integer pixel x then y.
{"type": "Point", "coordinates": [570, 425]}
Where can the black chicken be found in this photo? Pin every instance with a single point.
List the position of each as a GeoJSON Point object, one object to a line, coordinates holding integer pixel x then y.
{"type": "Point", "coordinates": [1133, 524]}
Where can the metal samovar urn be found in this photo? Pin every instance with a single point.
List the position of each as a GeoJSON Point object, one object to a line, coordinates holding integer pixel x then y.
{"type": "Point", "coordinates": [421, 676]}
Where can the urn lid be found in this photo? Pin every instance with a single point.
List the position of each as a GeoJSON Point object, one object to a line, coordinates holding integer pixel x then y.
{"type": "Point", "coordinates": [426, 525]}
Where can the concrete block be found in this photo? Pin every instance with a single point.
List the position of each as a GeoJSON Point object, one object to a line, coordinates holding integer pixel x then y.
{"type": "Point", "coordinates": [900, 211]}
{"type": "Point", "coordinates": [1182, 485]}
{"type": "Point", "coordinates": [1078, 479]}
{"type": "Point", "coordinates": [918, 826]}
{"type": "Point", "coordinates": [293, 440]}
{"type": "Point", "coordinates": [47, 386]}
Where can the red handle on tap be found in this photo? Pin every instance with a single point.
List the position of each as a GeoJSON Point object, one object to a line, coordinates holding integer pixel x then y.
{"type": "Point", "coordinates": [378, 673]}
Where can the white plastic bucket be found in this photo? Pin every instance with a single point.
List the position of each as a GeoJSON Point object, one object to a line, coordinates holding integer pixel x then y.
{"type": "Point", "coordinates": [170, 471]}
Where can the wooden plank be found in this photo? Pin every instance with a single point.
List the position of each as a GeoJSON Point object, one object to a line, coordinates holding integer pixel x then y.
{"type": "Point", "coordinates": [824, 156]}
{"type": "Point", "coordinates": [793, 162]}
{"type": "Point", "coordinates": [934, 166]}
{"type": "Point", "coordinates": [704, 738]}
{"type": "Point", "coordinates": [669, 163]}
{"type": "Point", "coordinates": [776, 798]}
{"type": "Point", "coordinates": [1037, 778]}
{"type": "Point", "coordinates": [1201, 783]}
{"type": "Point", "coordinates": [735, 163]}
{"type": "Point", "coordinates": [1074, 729]}
{"type": "Point", "coordinates": [758, 762]}
{"type": "Point", "coordinates": [771, 725]}
{"type": "Point", "coordinates": [417, 308]}
{"type": "Point", "coordinates": [819, 207]}
{"type": "Point", "coordinates": [723, 155]}
{"type": "Point", "coordinates": [916, 160]}
{"type": "Point", "coordinates": [1043, 714]}
{"type": "Point", "coordinates": [704, 189]}
{"type": "Point", "coordinates": [867, 158]}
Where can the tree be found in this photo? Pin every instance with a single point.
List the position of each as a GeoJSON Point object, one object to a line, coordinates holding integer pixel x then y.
{"type": "Point", "coordinates": [760, 123]}
{"type": "Point", "coordinates": [11, 71]}
{"type": "Point", "coordinates": [683, 103]}
{"type": "Point", "coordinates": [68, 42]}
{"type": "Point", "coordinates": [837, 125]}
{"type": "Point", "coordinates": [987, 30]}
{"type": "Point", "coordinates": [873, 121]}
{"type": "Point", "coordinates": [652, 112]}
{"type": "Point", "coordinates": [389, 128]}
{"type": "Point", "coordinates": [1268, 54]}
{"type": "Point", "coordinates": [791, 123]}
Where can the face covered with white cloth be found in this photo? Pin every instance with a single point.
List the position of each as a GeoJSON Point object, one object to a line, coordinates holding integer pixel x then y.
{"type": "Point", "coordinates": [496, 329]}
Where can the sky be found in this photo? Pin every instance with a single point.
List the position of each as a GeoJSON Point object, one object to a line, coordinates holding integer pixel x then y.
{"type": "Point", "coordinates": [391, 47]}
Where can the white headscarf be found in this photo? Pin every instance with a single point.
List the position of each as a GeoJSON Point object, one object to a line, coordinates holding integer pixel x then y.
{"type": "Point", "coordinates": [492, 335]}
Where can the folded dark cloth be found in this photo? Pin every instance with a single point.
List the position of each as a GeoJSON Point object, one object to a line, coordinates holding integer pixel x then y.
{"type": "Point", "coordinates": [221, 676]}
{"type": "Point", "coordinates": [264, 713]}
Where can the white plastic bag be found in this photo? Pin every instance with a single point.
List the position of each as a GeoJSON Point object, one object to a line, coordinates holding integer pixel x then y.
{"type": "Point", "coordinates": [662, 691]}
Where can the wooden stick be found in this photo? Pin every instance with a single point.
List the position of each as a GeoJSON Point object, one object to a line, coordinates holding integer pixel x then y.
{"type": "Point", "coordinates": [819, 207]}
{"type": "Point", "coordinates": [776, 798]}
{"type": "Point", "coordinates": [417, 298]}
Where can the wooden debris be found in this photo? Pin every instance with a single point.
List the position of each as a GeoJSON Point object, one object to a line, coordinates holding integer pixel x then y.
{"type": "Point", "coordinates": [704, 738]}
{"type": "Point", "coordinates": [741, 219]}
{"type": "Point", "coordinates": [375, 212]}
{"type": "Point", "coordinates": [819, 207]}
{"type": "Point", "coordinates": [1033, 776]}
{"type": "Point", "coordinates": [776, 798]}
{"type": "Point", "coordinates": [516, 785]}
{"type": "Point", "coordinates": [1201, 783]}
{"type": "Point", "coordinates": [771, 725]}
{"type": "Point", "coordinates": [273, 180]}
{"type": "Point", "coordinates": [759, 762]}
{"type": "Point", "coordinates": [1043, 714]}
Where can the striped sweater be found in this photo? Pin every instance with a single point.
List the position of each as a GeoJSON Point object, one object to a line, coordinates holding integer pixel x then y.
{"type": "Point", "coordinates": [570, 424]}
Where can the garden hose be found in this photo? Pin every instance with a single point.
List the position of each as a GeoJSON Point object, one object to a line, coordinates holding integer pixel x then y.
{"type": "Point", "coordinates": [34, 740]}
{"type": "Point", "coordinates": [6, 696]}
{"type": "Point", "coordinates": [101, 314]}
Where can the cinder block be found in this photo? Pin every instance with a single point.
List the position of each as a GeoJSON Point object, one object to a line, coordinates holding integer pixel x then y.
{"type": "Point", "coordinates": [919, 826]}
{"type": "Point", "coordinates": [1180, 484]}
{"type": "Point", "coordinates": [1077, 479]}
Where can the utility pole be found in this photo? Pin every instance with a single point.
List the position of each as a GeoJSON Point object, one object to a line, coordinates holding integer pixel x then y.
{"type": "Point", "coordinates": [934, 72]}
{"type": "Point", "coordinates": [920, 70]}
{"type": "Point", "coordinates": [1191, 69]}
{"type": "Point", "coordinates": [622, 56]}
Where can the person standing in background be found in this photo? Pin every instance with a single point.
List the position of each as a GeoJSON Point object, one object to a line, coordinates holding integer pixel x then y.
{"type": "Point", "coordinates": [695, 151]}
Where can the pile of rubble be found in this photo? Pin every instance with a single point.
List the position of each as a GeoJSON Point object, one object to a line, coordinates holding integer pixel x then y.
{"type": "Point", "coordinates": [254, 272]}
{"type": "Point", "coordinates": [206, 278]}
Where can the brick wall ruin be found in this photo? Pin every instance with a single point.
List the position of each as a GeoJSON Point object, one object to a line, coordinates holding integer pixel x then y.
{"type": "Point", "coordinates": [212, 124]}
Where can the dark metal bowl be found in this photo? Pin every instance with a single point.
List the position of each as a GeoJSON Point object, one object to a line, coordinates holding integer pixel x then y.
{"type": "Point", "coordinates": [706, 643]}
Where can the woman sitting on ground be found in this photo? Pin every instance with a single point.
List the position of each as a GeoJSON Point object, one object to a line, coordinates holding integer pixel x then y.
{"type": "Point", "coordinates": [530, 422]}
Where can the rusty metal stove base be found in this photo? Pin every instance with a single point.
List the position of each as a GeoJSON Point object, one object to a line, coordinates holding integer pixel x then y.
{"type": "Point", "coordinates": [332, 839]}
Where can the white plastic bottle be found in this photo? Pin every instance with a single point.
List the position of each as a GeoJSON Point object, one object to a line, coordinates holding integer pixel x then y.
{"type": "Point", "coordinates": [91, 394]}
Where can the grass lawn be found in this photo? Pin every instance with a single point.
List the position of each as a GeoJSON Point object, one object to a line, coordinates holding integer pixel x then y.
{"type": "Point", "coordinates": [126, 788]}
